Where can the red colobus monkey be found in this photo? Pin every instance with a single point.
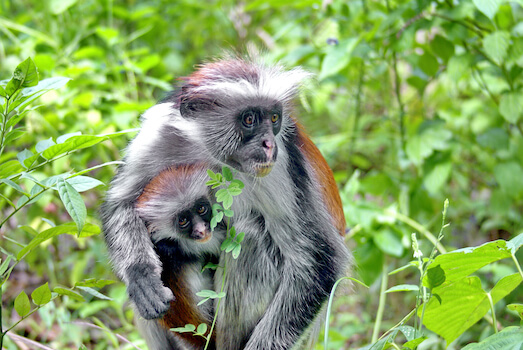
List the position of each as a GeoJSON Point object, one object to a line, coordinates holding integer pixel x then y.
{"type": "Point", "coordinates": [176, 208]}
{"type": "Point", "coordinates": [239, 113]}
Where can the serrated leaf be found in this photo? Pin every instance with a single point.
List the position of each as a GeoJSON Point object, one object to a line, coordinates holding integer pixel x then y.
{"type": "Point", "coordinates": [69, 293]}
{"type": "Point", "coordinates": [41, 295]}
{"type": "Point", "coordinates": [73, 203]}
{"type": "Point", "coordinates": [511, 106]}
{"type": "Point", "coordinates": [22, 304]}
{"type": "Point", "coordinates": [488, 7]}
{"type": "Point", "coordinates": [496, 45]}
{"type": "Point", "coordinates": [403, 288]}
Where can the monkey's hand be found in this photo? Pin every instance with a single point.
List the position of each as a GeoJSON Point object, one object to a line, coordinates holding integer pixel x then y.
{"type": "Point", "coordinates": [147, 291]}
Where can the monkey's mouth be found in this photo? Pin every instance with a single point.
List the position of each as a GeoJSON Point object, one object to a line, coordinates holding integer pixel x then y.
{"type": "Point", "coordinates": [203, 237]}
{"type": "Point", "coordinates": [263, 169]}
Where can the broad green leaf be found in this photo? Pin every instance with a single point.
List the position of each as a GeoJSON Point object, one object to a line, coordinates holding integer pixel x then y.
{"type": "Point", "coordinates": [338, 57]}
{"type": "Point", "coordinates": [423, 144]}
{"type": "Point", "coordinates": [69, 228]}
{"type": "Point", "coordinates": [71, 144]}
{"type": "Point", "coordinates": [2, 92]}
{"type": "Point", "coordinates": [388, 242]}
{"type": "Point", "coordinates": [44, 144]}
{"type": "Point", "coordinates": [25, 75]}
{"type": "Point", "coordinates": [236, 251]}
{"type": "Point", "coordinates": [428, 64]}
{"type": "Point", "coordinates": [506, 285]}
{"type": "Point", "coordinates": [403, 288]}
{"type": "Point", "coordinates": [13, 135]}
{"type": "Point", "coordinates": [494, 138]}
{"type": "Point", "coordinates": [73, 203]}
{"type": "Point", "coordinates": [458, 66]}
{"type": "Point", "coordinates": [23, 155]}
{"type": "Point", "coordinates": [227, 174]}
{"type": "Point", "coordinates": [10, 168]}
{"type": "Point", "coordinates": [496, 45]}
{"type": "Point", "coordinates": [509, 177]}
{"type": "Point", "coordinates": [510, 338]}
{"type": "Point", "coordinates": [94, 292]}
{"type": "Point", "coordinates": [408, 331]}
{"type": "Point", "coordinates": [65, 137]}
{"type": "Point", "coordinates": [202, 329]}
{"type": "Point", "coordinates": [511, 106]}
{"type": "Point", "coordinates": [462, 262]}
{"type": "Point", "coordinates": [84, 183]}
{"type": "Point", "coordinates": [442, 47]}
{"type": "Point", "coordinates": [437, 177]}
{"type": "Point", "coordinates": [488, 7]}
{"type": "Point", "coordinates": [435, 277]}
{"type": "Point", "coordinates": [22, 304]}
{"type": "Point", "coordinates": [41, 295]}
{"type": "Point", "coordinates": [69, 293]}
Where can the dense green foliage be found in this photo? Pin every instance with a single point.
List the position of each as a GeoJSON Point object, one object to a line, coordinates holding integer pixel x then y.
{"type": "Point", "coordinates": [414, 102]}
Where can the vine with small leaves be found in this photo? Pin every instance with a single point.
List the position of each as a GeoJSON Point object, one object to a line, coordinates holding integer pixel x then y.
{"type": "Point", "coordinates": [230, 187]}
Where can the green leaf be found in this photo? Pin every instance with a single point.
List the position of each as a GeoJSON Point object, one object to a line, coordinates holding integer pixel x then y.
{"type": "Point", "coordinates": [14, 186]}
{"type": "Point", "coordinates": [73, 203]}
{"type": "Point", "coordinates": [442, 47]}
{"type": "Point", "coordinates": [496, 45]}
{"type": "Point", "coordinates": [435, 277]}
{"type": "Point", "coordinates": [515, 243]}
{"type": "Point", "coordinates": [202, 329]}
{"type": "Point", "coordinates": [94, 292]}
{"type": "Point", "coordinates": [424, 143]}
{"type": "Point", "coordinates": [10, 168]}
{"type": "Point", "coordinates": [41, 295]}
{"type": "Point", "coordinates": [44, 144]}
{"type": "Point", "coordinates": [71, 144]}
{"type": "Point", "coordinates": [5, 264]}
{"type": "Point", "coordinates": [412, 344]}
{"type": "Point", "coordinates": [207, 294]}
{"type": "Point", "coordinates": [236, 251]}
{"type": "Point", "coordinates": [69, 228]}
{"type": "Point", "coordinates": [388, 242]}
{"type": "Point", "coordinates": [22, 304]}
{"type": "Point", "coordinates": [403, 288]}
{"type": "Point", "coordinates": [93, 282]}
{"type": "Point", "coordinates": [59, 6]}
{"type": "Point", "coordinates": [437, 177]}
{"type": "Point", "coordinates": [228, 213]}
{"type": "Point", "coordinates": [488, 7]}
{"type": "Point", "coordinates": [509, 338]}
{"type": "Point", "coordinates": [511, 106]}
{"type": "Point", "coordinates": [509, 177]}
{"type": "Point", "coordinates": [13, 135]}
{"type": "Point", "coordinates": [428, 64]}
{"type": "Point", "coordinates": [494, 138]}
{"type": "Point", "coordinates": [227, 174]}
{"type": "Point", "coordinates": [69, 293]}
{"type": "Point", "coordinates": [84, 183]}
{"type": "Point", "coordinates": [25, 75]}
{"type": "Point", "coordinates": [237, 183]}
{"type": "Point", "coordinates": [518, 308]}
{"type": "Point", "coordinates": [338, 57]}
{"type": "Point", "coordinates": [22, 156]}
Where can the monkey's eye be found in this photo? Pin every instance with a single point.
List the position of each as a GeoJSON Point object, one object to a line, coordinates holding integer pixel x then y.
{"type": "Point", "coordinates": [275, 117]}
{"type": "Point", "coordinates": [248, 120]}
{"type": "Point", "coordinates": [202, 210]}
{"type": "Point", "coordinates": [183, 222]}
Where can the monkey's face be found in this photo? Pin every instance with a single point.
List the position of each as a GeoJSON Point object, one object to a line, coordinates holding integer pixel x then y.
{"type": "Point", "coordinates": [194, 222]}
{"type": "Point", "coordinates": [256, 150]}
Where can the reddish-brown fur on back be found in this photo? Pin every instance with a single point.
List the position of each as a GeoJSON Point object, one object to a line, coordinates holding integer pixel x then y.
{"type": "Point", "coordinates": [325, 178]}
{"type": "Point", "coordinates": [183, 310]}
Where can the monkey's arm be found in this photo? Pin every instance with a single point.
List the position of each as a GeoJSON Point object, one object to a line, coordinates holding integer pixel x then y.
{"type": "Point", "coordinates": [158, 145]}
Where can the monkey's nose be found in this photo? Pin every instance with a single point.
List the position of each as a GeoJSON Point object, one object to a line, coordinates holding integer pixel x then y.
{"type": "Point", "coordinates": [268, 147]}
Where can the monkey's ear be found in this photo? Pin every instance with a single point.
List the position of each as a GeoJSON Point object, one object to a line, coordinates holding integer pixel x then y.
{"type": "Point", "coordinates": [190, 106]}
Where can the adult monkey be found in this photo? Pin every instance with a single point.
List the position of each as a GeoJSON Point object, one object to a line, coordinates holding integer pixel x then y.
{"type": "Point", "coordinates": [238, 113]}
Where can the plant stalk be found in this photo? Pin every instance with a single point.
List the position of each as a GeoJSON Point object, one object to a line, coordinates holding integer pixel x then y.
{"type": "Point", "coordinates": [381, 305]}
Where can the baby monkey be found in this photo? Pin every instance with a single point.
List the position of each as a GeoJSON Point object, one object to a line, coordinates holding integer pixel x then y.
{"type": "Point", "coordinates": [176, 207]}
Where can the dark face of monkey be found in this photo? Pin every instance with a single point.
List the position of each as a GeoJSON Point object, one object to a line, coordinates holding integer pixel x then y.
{"type": "Point", "coordinates": [193, 223]}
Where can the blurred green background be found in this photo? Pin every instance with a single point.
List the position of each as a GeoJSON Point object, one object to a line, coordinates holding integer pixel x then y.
{"type": "Point", "coordinates": [414, 101]}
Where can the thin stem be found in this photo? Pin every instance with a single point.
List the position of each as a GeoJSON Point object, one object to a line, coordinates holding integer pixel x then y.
{"type": "Point", "coordinates": [417, 226]}
{"type": "Point", "coordinates": [381, 305]}
{"type": "Point", "coordinates": [517, 265]}
{"type": "Point", "coordinates": [397, 88]}
{"type": "Point", "coordinates": [357, 112]}
{"type": "Point", "coordinates": [23, 205]}
{"type": "Point", "coordinates": [495, 323]}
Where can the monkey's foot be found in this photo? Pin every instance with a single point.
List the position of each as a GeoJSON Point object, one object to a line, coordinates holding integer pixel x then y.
{"type": "Point", "coordinates": [147, 291]}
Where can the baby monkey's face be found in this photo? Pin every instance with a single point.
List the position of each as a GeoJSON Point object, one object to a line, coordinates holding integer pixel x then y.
{"type": "Point", "coordinates": [194, 222]}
